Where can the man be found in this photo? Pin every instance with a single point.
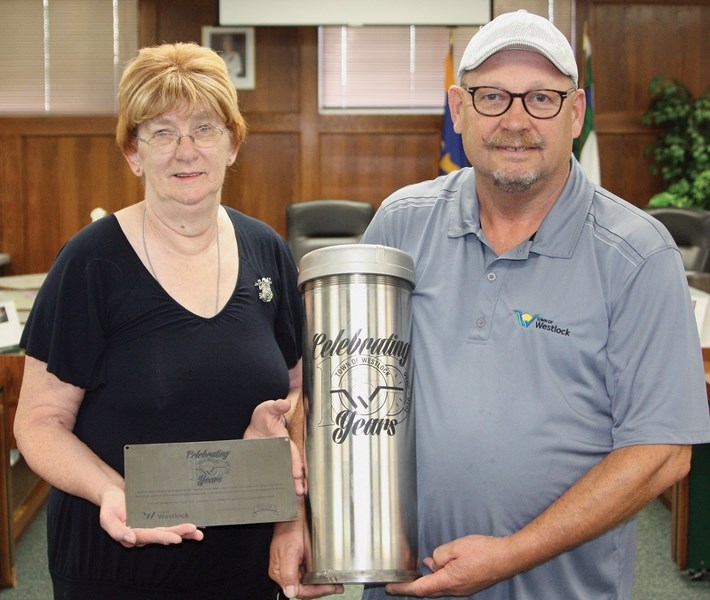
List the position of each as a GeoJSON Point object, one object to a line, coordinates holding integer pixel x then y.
{"type": "Point", "coordinates": [558, 381]}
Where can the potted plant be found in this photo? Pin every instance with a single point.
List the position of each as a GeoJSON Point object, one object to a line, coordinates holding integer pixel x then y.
{"type": "Point", "coordinates": [681, 152]}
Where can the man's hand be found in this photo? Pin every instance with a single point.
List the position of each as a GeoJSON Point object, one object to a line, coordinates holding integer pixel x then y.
{"type": "Point", "coordinates": [288, 547]}
{"type": "Point", "coordinates": [460, 568]}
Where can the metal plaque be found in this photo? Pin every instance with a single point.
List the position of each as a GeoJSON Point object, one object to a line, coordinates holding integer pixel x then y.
{"type": "Point", "coordinates": [225, 482]}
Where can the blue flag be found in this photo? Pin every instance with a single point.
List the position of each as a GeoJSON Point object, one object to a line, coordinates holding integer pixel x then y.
{"type": "Point", "coordinates": [452, 154]}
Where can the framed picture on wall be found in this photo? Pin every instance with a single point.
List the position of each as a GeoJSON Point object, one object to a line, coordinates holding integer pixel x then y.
{"type": "Point", "coordinates": [236, 46]}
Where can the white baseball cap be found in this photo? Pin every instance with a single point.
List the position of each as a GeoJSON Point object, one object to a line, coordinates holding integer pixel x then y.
{"type": "Point", "coordinates": [520, 30]}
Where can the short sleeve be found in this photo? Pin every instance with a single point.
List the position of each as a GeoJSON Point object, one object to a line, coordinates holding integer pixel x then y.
{"type": "Point", "coordinates": [67, 324]}
{"type": "Point", "coordinates": [657, 389]}
{"type": "Point", "coordinates": [289, 318]}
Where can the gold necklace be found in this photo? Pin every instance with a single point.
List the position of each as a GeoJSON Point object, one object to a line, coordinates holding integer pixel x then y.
{"type": "Point", "coordinates": [219, 260]}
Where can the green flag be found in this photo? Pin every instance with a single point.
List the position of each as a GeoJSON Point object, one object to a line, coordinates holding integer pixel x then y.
{"type": "Point", "coordinates": [585, 147]}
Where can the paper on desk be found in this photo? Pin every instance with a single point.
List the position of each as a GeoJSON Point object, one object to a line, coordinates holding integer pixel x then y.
{"type": "Point", "coordinates": [32, 281]}
{"type": "Point", "coordinates": [10, 327]}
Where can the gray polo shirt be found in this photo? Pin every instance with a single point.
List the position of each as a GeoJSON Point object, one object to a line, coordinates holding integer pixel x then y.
{"type": "Point", "coordinates": [530, 367]}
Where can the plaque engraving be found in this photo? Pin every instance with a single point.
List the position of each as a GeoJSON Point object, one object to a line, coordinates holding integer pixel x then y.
{"type": "Point", "coordinates": [226, 482]}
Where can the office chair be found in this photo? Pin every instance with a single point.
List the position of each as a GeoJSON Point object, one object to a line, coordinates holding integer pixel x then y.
{"type": "Point", "coordinates": [690, 228]}
{"type": "Point", "coordinates": [318, 223]}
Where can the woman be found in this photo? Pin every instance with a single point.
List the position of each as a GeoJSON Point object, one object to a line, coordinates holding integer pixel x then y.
{"type": "Point", "coordinates": [172, 320]}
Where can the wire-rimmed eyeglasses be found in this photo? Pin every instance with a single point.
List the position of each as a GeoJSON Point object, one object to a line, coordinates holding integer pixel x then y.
{"type": "Point", "coordinates": [166, 140]}
{"type": "Point", "coordinates": [540, 104]}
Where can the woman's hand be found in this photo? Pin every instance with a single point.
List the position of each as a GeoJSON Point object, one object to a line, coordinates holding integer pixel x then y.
{"type": "Point", "coordinates": [112, 517]}
{"type": "Point", "coordinates": [269, 420]}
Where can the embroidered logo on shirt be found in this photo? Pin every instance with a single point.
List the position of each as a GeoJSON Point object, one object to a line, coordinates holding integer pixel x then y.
{"type": "Point", "coordinates": [526, 319]}
{"type": "Point", "coordinates": [266, 294]}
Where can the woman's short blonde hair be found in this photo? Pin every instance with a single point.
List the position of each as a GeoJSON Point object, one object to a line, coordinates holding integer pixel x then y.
{"type": "Point", "coordinates": [167, 77]}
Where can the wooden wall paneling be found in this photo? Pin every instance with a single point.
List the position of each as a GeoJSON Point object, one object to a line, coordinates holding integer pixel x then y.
{"type": "Point", "coordinates": [309, 182]}
{"type": "Point", "coordinates": [12, 222]}
{"type": "Point", "coordinates": [263, 181]}
{"type": "Point", "coordinates": [91, 176]}
{"type": "Point", "coordinates": [39, 196]}
{"type": "Point", "coordinates": [147, 23]}
{"type": "Point", "coordinates": [365, 163]}
{"type": "Point", "coordinates": [43, 125]}
{"type": "Point", "coordinates": [393, 150]}
{"type": "Point", "coordinates": [52, 198]}
{"type": "Point", "coordinates": [66, 178]}
{"type": "Point", "coordinates": [277, 74]}
{"type": "Point", "coordinates": [266, 177]}
{"type": "Point", "coordinates": [369, 167]}
{"type": "Point", "coordinates": [44, 198]}
{"type": "Point", "coordinates": [622, 164]}
{"type": "Point", "coordinates": [110, 184]}
{"type": "Point", "coordinates": [622, 142]}
{"type": "Point", "coordinates": [170, 21]}
{"type": "Point", "coordinates": [632, 42]}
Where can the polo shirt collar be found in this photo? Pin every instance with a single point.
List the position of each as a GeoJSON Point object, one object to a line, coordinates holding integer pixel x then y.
{"type": "Point", "coordinates": [560, 230]}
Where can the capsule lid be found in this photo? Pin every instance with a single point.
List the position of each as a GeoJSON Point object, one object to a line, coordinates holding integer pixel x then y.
{"type": "Point", "coordinates": [348, 259]}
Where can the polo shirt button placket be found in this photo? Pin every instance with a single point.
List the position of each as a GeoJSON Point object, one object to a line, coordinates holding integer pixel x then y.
{"type": "Point", "coordinates": [487, 299]}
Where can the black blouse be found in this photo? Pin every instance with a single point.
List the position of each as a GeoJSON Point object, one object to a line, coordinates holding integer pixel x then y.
{"type": "Point", "coordinates": [154, 372]}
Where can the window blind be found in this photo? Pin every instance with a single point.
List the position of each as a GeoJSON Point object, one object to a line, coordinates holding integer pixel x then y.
{"type": "Point", "coordinates": [387, 69]}
{"type": "Point", "coordinates": [64, 56]}
{"type": "Point", "coordinates": [400, 69]}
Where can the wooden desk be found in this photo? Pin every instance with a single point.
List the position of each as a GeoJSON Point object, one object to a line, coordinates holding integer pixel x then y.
{"type": "Point", "coordinates": [22, 493]}
{"type": "Point", "coordinates": [680, 498]}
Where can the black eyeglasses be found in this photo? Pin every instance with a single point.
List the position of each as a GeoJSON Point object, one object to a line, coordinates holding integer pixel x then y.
{"type": "Point", "coordinates": [540, 104]}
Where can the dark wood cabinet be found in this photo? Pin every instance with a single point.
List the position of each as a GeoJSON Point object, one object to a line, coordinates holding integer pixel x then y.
{"type": "Point", "coordinates": [690, 505]}
{"type": "Point", "coordinates": [22, 493]}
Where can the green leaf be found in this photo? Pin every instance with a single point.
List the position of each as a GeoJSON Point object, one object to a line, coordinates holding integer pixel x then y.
{"type": "Point", "coordinates": [680, 154]}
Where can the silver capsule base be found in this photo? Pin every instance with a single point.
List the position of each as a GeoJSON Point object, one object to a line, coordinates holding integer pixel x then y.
{"type": "Point", "coordinates": [392, 576]}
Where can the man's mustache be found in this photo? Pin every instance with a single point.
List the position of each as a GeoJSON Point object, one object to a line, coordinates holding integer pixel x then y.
{"type": "Point", "coordinates": [524, 140]}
